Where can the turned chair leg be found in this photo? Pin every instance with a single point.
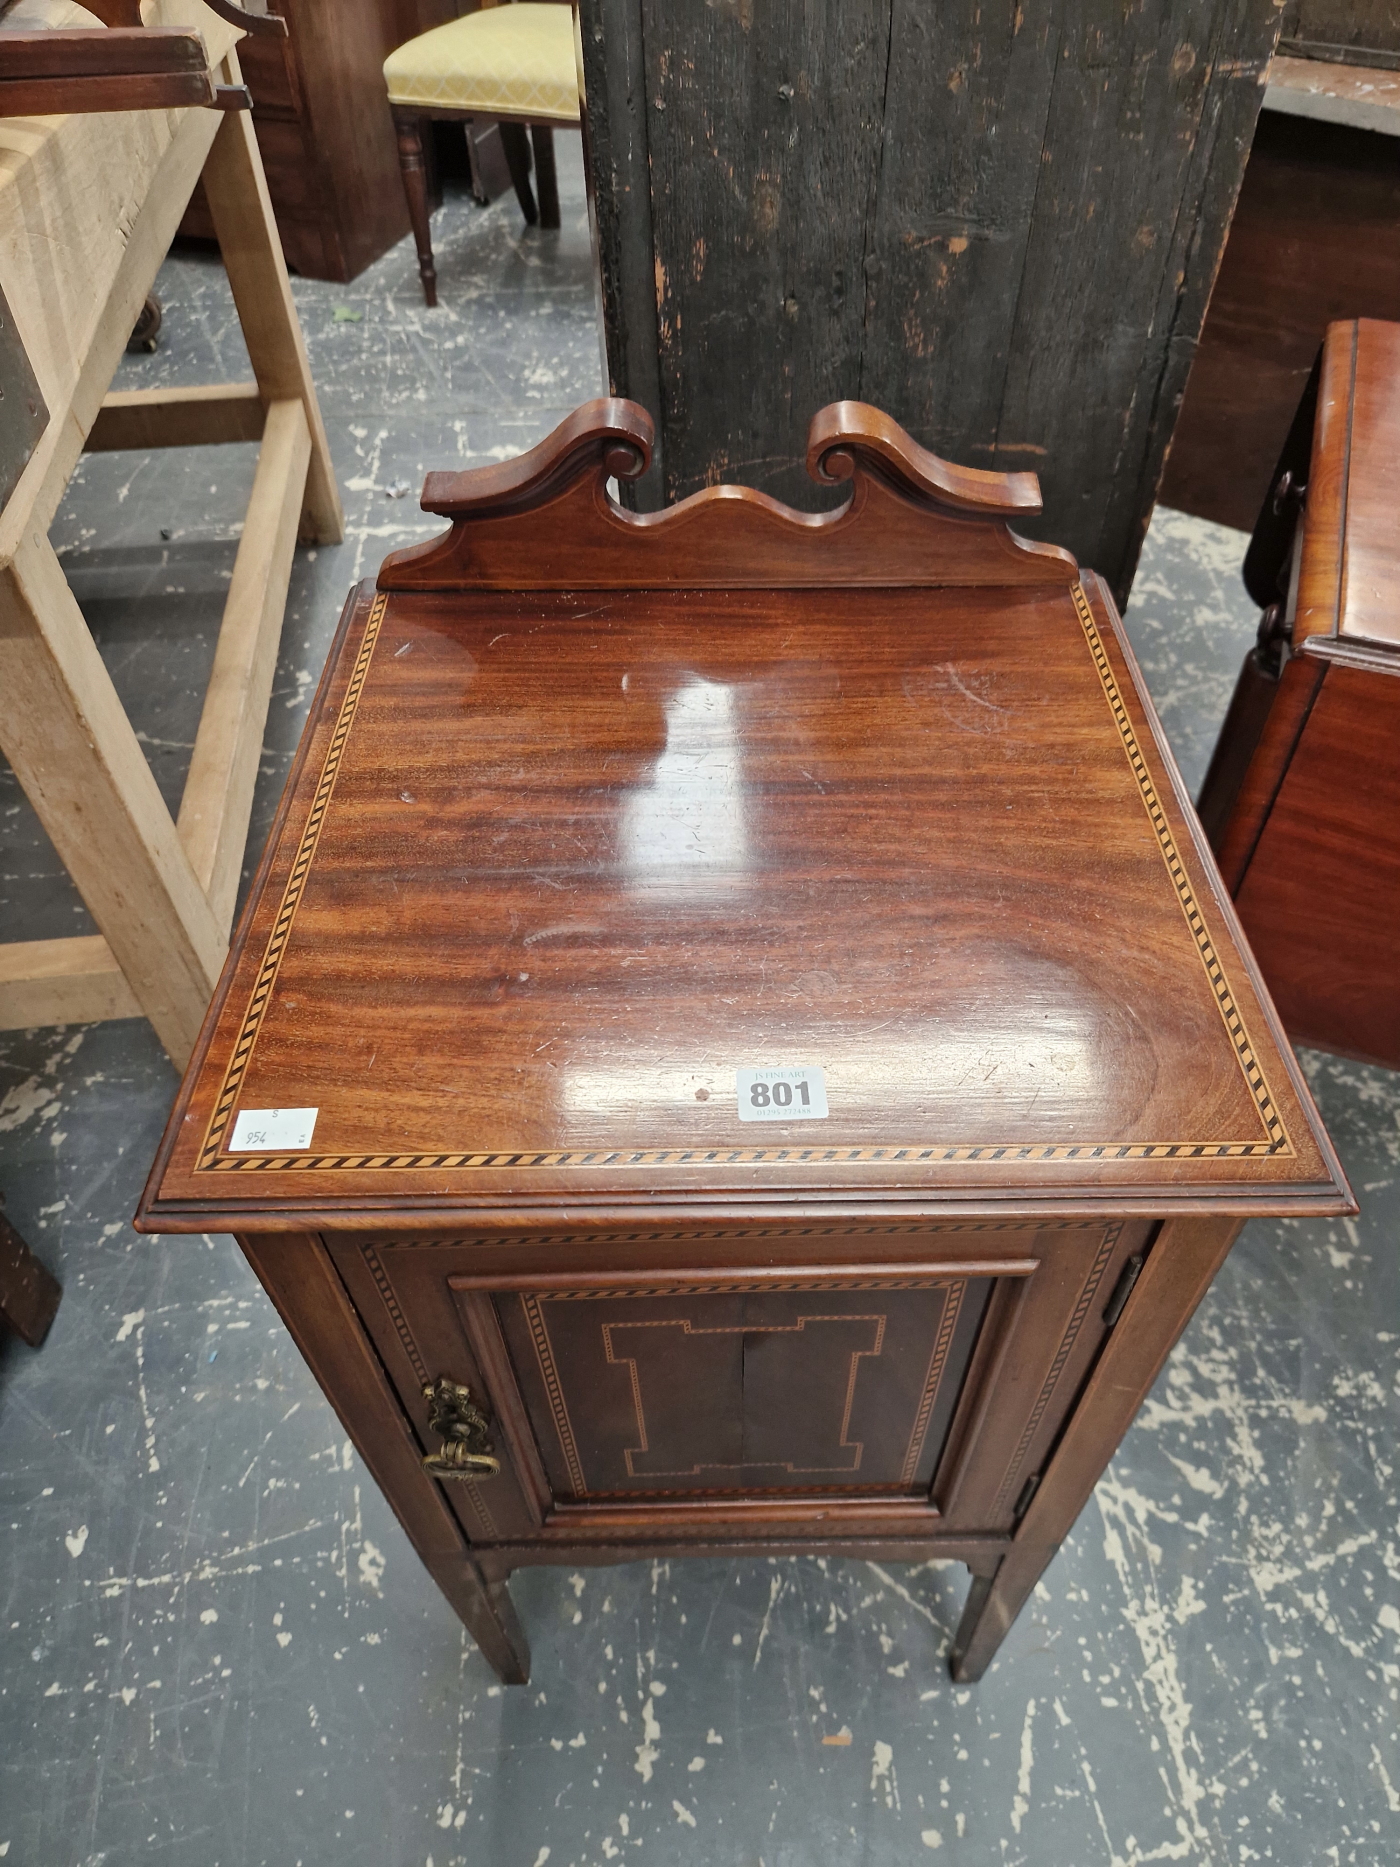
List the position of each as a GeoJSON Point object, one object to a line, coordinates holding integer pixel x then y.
{"type": "Point", "coordinates": [546, 181]}
{"type": "Point", "coordinates": [415, 187]}
{"type": "Point", "coordinates": [517, 147]}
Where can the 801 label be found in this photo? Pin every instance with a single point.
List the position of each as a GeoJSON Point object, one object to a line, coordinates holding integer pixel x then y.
{"type": "Point", "coordinates": [796, 1092]}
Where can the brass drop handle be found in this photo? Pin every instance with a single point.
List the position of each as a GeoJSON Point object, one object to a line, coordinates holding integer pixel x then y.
{"type": "Point", "coordinates": [466, 1451]}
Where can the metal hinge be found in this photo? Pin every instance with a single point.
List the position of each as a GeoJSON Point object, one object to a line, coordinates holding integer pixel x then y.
{"type": "Point", "coordinates": [1123, 1289]}
{"type": "Point", "coordinates": [1028, 1491]}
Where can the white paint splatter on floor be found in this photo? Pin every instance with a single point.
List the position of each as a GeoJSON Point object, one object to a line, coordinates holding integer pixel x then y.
{"type": "Point", "coordinates": [1209, 1674]}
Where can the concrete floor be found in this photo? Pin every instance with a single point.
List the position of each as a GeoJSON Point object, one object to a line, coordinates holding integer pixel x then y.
{"type": "Point", "coordinates": [217, 1649]}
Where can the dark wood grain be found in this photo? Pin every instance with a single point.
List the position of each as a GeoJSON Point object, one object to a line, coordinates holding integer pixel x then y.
{"type": "Point", "coordinates": [1321, 897]}
{"type": "Point", "coordinates": [78, 52]}
{"type": "Point", "coordinates": [551, 1377]}
{"type": "Point", "coordinates": [1245, 721]}
{"type": "Point", "coordinates": [999, 224]}
{"type": "Point", "coordinates": [1176, 1276]}
{"type": "Point", "coordinates": [1345, 32]}
{"type": "Point", "coordinates": [1241, 820]}
{"type": "Point", "coordinates": [46, 97]}
{"type": "Point", "coordinates": [125, 15]}
{"type": "Point", "coordinates": [592, 810]}
{"type": "Point", "coordinates": [77, 70]}
{"type": "Point", "coordinates": [1313, 240]}
{"type": "Point", "coordinates": [610, 921]}
{"type": "Point", "coordinates": [118, 15]}
{"type": "Point", "coordinates": [1350, 571]}
{"type": "Point", "coordinates": [615, 150]}
{"type": "Point", "coordinates": [1304, 800]}
{"type": "Point", "coordinates": [29, 1293]}
{"type": "Point", "coordinates": [909, 519]}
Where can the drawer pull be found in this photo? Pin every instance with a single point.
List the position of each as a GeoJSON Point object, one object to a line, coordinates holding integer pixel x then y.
{"type": "Point", "coordinates": [466, 1450]}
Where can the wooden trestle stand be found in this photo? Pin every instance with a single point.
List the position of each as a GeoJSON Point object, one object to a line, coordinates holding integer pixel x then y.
{"type": "Point", "coordinates": [737, 1042]}
{"type": "Point", "coordinates": [88, 207]}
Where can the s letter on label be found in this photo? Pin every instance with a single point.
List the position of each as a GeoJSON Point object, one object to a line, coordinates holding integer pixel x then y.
{"type": "Point", "coordinates": [268, 1131]}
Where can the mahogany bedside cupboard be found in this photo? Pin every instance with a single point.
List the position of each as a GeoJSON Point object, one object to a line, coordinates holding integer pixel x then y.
{"type": "Point", "coordinates": [737, 1043]}
{"type": "Point", "coordinates": [1302, 799]}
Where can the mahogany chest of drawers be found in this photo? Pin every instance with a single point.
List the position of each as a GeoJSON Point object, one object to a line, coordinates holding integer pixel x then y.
{"type": "Point", "coordinates": [737, 1042]}
{"type": "Point", "coordinates": [1302, 799]}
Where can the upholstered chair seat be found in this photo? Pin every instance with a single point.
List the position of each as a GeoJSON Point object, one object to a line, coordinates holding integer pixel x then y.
{"type": "Point", "coordinates": [516, 63]}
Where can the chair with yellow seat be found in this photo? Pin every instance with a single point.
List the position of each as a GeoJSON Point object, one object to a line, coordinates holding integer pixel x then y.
{"type": "Point", "coordinates": [515, 63]}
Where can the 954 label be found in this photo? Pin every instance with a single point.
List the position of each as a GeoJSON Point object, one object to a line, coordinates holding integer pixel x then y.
{"type": "Point", "coordinates": [269, 1131]}
{"type": "Point", "coordinates": [796, 1093]}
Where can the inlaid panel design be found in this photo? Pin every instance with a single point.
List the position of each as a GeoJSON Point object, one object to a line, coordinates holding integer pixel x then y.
{"type": "Point", "coordinates": [672, 1390]}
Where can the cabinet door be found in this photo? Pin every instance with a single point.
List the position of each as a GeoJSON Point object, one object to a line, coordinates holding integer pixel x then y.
{"type": "Point", "coordinates": [898, 1398]}
{"type": "Point", "coordinates": [683, 1390]}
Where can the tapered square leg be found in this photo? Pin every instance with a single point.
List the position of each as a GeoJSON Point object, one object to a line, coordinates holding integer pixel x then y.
{"type": "Point", "coordinates": [546, 179]}
{"type": "Point", "coordinates": [516, 144]}
{"type": "Point", "coordinates": [993, 1602]}
{"type": "Point", "coordinates": [489, 1615]}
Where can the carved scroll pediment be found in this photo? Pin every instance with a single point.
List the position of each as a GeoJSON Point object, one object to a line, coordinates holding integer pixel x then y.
{"type": "Point", "coordinates": [546, 520]}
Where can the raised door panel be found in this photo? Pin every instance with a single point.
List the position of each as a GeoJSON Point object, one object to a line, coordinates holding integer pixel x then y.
{"type": "Point", "coordinates": [848, 1399]}
{"type": "Point", "coordinates": [689, 1392]}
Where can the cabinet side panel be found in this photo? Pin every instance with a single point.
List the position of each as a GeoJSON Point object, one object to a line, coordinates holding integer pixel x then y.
{"type": "Point", "coordinates": [1321, 899]}
{"type": "Point", "coordinates": [297, 1272]}
{"type": "Point", "coordinates": [1029, 1380]}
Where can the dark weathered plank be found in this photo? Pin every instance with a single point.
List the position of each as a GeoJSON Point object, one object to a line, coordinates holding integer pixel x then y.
{"type": "Point", "coordinates": [108, 52]}
{"type": "Point", "coordinates": [1348, 32]}
{"type": "Point", "coordinates": [999, 225]}
{"type": "Point", "coordinates": [764, 135]}
{"type": "Point", "coordinates": [965, 118]}
{"type": "Point", "coordinates": [1144, 152]}
{"type": "Point", "coordinates": [616, 144]}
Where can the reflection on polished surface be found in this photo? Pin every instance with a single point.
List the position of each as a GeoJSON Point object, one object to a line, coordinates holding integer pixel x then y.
{"type": "Point", "coordinates": [682, 832]}
{"type": "Point", "coordinates": [1042, 1070]}
{"type": "Point", "coordinates": [587, 857]}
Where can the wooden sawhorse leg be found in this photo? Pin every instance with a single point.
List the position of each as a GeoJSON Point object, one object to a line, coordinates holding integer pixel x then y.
{"type": "Point", "coordinates": [84, 772]}
{"type": "Point", "coordinates": [163, 894]}
{"type": "Point", "coordinates": [257, 272]}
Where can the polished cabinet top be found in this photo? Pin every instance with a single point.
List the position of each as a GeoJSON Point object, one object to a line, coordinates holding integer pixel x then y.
{"type": "Point", "coordinates": [564, 875]}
